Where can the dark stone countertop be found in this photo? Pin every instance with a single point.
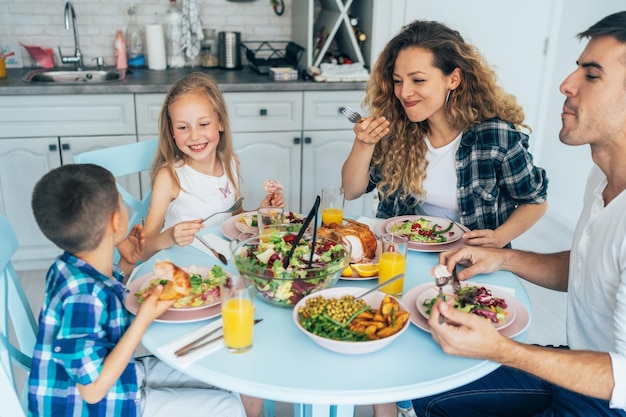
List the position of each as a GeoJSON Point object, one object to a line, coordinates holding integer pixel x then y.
{"type": "Point", "coordinates": [145, 81]}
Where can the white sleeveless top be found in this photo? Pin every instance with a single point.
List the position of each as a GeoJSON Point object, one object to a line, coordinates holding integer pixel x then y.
{"type": "Point", "coordinates": [200, 196]}
{"type": "Point", "coordinates": [440, 183]}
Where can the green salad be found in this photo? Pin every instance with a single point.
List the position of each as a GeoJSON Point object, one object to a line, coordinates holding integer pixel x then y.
{"type": "Point", "coordinates": [423, 231]}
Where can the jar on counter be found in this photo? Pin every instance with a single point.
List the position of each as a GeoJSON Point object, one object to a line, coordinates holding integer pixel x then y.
{"type": "Point", "coordinates": [208, 49]}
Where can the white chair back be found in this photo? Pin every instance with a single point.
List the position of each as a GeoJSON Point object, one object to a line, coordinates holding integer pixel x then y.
{"type": "Point", "coordinates": [15, 315]}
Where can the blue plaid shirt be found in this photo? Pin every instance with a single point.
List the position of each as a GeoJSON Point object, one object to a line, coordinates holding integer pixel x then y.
{"type": "Point", "coordinates": [81, 321]}
{"type": "Point", "coordinates": [495, 174]}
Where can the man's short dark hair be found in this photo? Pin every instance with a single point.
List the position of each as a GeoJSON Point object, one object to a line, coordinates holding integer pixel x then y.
{"type": "Point", "coordinates": [612, 25]}
{"type": "Point", "coordinates": [72, 205]}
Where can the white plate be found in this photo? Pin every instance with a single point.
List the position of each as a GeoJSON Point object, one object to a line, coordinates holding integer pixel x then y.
{"type": "Point", "coordinates": [141, 282]}
{"type": "Point", "coordinates": [452, 236]}
{"type": "Point", "coordinates": [432, 292]}
{"type": "Point", "coordinates": [381, 228]}
{"type": "Point", "coordinates": [518, 326]}
{"type": "Point", "coordinates": [232, 227]}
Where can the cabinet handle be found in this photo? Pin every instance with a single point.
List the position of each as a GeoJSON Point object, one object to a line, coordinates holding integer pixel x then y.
{"type": "Point", "coordinates": [65, 146]}
{"type": "Point", "coordinates": [307, 141]}
{"type": "Point", "coordinates": [52, 148]}
{"type": "Point", "coordinates": [296, 141]}
{"type": "Point", "coordinates": [263, 112]}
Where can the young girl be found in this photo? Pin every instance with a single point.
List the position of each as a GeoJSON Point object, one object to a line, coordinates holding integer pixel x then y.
{"type": "Point", "coordinates": [195, 171]}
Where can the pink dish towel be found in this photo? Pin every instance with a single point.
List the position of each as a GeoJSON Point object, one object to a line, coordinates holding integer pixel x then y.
{"type": "Point", "coordinates": [42, 56]}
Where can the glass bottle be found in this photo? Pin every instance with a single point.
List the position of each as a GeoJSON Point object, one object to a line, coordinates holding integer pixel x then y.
{"type": "Point", "coordinates": [175, 56]}
{"type": "Point", "coordinates": [134, 41]}
{"type": "Point", "coordinates": [208, 49]}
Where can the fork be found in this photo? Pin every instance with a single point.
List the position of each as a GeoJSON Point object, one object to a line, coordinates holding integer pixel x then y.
{"type": "Point", "coordinates": [236, 206]}
{"type": "Point", "coordinates": [441, 282]}
{"type": "Point", "coordinates": [353, 116]}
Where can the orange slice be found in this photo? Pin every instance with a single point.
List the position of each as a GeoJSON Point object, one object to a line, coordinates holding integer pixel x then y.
{"type": "Point", "coordinates": [366, 270]}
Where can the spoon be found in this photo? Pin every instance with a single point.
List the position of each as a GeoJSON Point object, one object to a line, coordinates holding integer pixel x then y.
{"type": "Point", "coordinates": [379, 286]}
{"type": "Point", "coordinates": [232, 209]}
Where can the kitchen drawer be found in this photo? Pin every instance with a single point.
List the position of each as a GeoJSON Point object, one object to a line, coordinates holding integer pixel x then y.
{"type": "Point", "coordinates": [67, 115]}
{"type": "Point", "coordinates": [322, 109]}
{"type": "Point", "coordinates": [264, 112]}
{"type": "Point", "coordinates": [147, 110]}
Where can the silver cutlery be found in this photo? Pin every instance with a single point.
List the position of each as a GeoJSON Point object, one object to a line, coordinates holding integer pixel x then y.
{"type": "Point", "coordinates": [190, 347]}
{"type": "Point", "coordinates": [236, 206]}
{"type": "Point", "coordinates": [456, 285]}
{"type": "Point", "coordinates": [352, 115]}
{"type": "Point", "coordinates": [379, 286]}
{"type": "Point", "coordinates": [441, 282]}
{"type": "Point", "coordinates": [218, 255]}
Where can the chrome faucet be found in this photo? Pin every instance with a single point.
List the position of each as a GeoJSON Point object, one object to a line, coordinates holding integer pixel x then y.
{"type": "Point", "coordinates": [77, 59]}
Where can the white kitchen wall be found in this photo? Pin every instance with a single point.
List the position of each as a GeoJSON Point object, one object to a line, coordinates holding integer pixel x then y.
{"type": "Point", "coordinates": [40, 22]}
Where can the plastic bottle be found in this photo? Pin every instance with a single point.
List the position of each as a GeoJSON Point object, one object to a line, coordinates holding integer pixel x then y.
{"type": "Point", "coordinates": [120, 51]}
{"type": "Point", "coordinates": [134, 41]}
{"type": "Point", "coordinates": [175, 56]}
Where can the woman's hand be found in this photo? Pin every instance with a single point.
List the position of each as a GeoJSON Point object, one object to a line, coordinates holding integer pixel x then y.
{"type": "Point", "coordinates": [486, 238]}
{"type": "Point", "coordinates": [369, 131]}
{"type": "Point", "coordinates": [183, 233]}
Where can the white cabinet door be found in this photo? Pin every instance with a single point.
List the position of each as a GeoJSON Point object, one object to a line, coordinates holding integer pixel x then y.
{"type": "Point", "coordinates": [323, 155]}
{"type": "Point", "coordinates": [22, 163]}
{"type": "Point", "coordinates": [269, 155]}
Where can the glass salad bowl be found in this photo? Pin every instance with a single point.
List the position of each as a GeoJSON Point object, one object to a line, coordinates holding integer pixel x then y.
{"type": "Point", "coordinates": [261, 259]}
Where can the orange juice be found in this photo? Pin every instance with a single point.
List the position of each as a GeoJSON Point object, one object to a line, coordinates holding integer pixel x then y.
{"type": "Point", "coordinates": [391, 264]}
{"type": "Point", "coordinates": [238, 317]}
{"type": "Point", "coordinates": [332, 215]}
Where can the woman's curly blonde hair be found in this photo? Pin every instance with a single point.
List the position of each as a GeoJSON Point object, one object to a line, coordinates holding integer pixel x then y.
{"type": "Point", "coordinates": [401, 158]}
{"type": "Point", "coordinates": [168, 155]}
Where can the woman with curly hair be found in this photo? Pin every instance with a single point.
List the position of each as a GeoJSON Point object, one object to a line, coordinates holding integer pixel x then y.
{"type": "Point", "coordinates": [443, 139]}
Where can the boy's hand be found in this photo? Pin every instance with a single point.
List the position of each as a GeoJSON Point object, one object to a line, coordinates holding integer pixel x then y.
{"type": "Point", "coordinates": [131, 249]}
{"type": "Point", "coordinates": [152, 307]}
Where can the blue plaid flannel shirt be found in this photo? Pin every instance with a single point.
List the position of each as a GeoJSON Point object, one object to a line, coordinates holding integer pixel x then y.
{"type": "Point", "coordinates": [81, 321]}
{"type": "Point", "coordinates": [495, 174]}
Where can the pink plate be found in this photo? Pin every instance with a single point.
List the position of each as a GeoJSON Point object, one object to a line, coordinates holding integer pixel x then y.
{"type": "Point", "coordinates": [519, 325]}
{"type": "Point", "coordinates": [381, 228]}
{"type": "Point", "coordinates": [229, 228]}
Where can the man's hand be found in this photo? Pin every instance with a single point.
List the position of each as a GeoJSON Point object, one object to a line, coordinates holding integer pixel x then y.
{"type": "Point", "coordinates": [477, 260]}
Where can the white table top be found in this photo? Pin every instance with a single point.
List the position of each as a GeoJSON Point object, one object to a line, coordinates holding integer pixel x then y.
{"type": "Point", "coordinates": [285, 365]}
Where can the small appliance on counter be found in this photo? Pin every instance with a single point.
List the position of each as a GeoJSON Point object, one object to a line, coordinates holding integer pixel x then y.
{"type": "Point", "coordinates": [229, 51]}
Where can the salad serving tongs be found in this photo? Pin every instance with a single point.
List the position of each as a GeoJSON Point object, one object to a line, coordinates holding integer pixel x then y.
{"type": "Point", "coordinates": [195, 345]}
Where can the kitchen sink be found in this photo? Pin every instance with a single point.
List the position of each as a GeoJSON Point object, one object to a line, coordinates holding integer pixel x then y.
{"type": "Point", "coordinates": [73, 77]}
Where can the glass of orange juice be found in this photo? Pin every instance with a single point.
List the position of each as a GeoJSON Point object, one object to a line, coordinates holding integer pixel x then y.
{"type": "Point", "coordinates": [333, 200]}
{"type": "Point", "coordinates": [236, 295]}
{"type": "Point", "coordinates": [391, 262]}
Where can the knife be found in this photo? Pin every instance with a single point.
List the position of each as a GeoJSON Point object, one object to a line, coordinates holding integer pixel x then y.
{"type": "Point", "coordinates": [218, 255]}
{"type": "Point", "coordinates": [190, 347]}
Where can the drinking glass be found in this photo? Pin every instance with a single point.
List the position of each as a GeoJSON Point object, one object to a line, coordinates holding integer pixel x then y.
{"type": "Point", "coordinates": [333, 200]}
{"type": "Point", "coordinates": [236, 294]}
{"type": "Point", "coordinates": [391, 262]}
{"type": "Point", "coordinates": [269, 218]}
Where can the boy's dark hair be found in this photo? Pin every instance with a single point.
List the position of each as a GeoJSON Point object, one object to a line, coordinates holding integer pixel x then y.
{"type": "Point", "coordinates": [73, 204]}
{"type": "Point", "coordinates": [612, 25]}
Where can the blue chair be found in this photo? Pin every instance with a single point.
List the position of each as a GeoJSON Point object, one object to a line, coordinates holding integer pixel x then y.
{"type": "Point", "coordinates": [15, 314]}
{"type": "Point", "coordinates": [132, 158]}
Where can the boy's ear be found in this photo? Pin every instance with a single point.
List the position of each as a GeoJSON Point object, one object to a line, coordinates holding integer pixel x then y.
{"type": "Point", "coordinates": [117, 222]}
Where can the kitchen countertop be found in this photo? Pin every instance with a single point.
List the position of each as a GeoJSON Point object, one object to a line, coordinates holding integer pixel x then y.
{"type": "Point", "coordinates": [143, 80]}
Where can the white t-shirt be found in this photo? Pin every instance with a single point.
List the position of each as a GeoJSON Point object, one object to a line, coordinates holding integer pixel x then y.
{"type": "Point", "coordinates": [200, 196]}
{"type": "Point", "coordinates": [596, 302]}
{"type": "Point", "coordinates": [440, 183]}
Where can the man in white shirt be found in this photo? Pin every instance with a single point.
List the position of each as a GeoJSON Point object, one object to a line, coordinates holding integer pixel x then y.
{"type": "Point", "coordinates": [588, 378]}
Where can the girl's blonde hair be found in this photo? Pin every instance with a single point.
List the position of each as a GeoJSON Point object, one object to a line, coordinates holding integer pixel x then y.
{"type": "Point", "coordinates": [402, 157]}
{"type": "Point", "coordinates": [168, 155]}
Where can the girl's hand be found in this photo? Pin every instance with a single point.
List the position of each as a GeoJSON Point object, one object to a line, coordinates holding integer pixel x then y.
{"type": "Point", "coordinates": [275, 199]}
{"type": "Point", "coordinates": [131, 249]}
{"type": "Point", "coordinates": [152, 307]}
{"type": "Point", "coordinates": [486, 238]}
{"type": "Point", "coordinates": [369, 131]}
{"type": "Point", "coordinates": [183, 233]}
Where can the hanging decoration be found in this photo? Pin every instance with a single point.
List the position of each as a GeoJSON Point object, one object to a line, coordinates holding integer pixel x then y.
{"type": "Point", "coordinates": [278, 6]}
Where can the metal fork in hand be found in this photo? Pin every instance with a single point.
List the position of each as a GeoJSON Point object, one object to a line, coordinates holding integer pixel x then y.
{"type": "Point", "coordinates": [353, 116]}
{"type": "Point", "coordinates": [236, 206]}
{"type": "Point", "coordinates": [441, 282]}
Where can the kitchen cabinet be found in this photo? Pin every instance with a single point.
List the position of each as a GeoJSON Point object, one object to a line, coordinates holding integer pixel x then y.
{"type": "Point", "coordinates": [32, 146]}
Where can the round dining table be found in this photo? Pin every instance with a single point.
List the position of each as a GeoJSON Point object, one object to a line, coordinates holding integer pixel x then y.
{"type": "Point", "coordinates": [286, 365]}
